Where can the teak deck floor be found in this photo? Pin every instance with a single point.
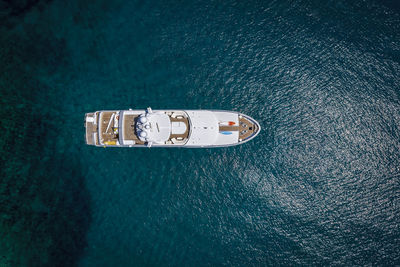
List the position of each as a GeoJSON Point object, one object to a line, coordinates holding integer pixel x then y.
{"type": "Point", "coordinates": [90, 130]}
{"type": "Point", "coordinates": [186, 133]}
{"type": "Point", "coordinates": [107, 136]}
{"type": "Point", "coordinates": [228, 128]}
{"type": "Point", "coordinates": [245, 125]}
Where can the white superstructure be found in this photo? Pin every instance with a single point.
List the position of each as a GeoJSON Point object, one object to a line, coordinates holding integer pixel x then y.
{"type": "Point", "coordinates": [169, 128]}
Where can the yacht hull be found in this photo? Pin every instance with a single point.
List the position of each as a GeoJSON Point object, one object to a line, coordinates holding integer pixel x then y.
{"type": "Point", "coordinates": [169, 128]}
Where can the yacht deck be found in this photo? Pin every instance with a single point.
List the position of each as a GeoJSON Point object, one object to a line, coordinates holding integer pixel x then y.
{"type": "Point", "coordinates": [107, 136]}
{"type": "Point", "coordinates": [104, 128]}
{"type": "Point", "coordinates": [246, 128]}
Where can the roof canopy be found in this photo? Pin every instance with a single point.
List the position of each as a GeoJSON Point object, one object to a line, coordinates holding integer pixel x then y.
{"type": "Point", "coordinates": [154, 127]}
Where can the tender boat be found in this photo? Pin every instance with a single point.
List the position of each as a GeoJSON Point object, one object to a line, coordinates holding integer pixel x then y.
{"type": "Point", "coordinates": [169, 128]}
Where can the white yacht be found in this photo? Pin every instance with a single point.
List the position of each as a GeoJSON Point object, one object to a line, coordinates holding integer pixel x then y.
{"type": "Point", "coordinates": [169, 128]}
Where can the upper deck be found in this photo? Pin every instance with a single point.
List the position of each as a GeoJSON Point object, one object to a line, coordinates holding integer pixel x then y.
{"type": "Point", "coordinates": [177, 135]}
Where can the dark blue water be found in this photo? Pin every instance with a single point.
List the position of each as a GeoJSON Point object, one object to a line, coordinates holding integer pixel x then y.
{"type": "Point", "coordinates": [320, 185]}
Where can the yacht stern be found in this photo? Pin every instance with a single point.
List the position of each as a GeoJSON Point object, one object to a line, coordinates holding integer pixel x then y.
{"type": "Point", "coordinates": [91, 128]}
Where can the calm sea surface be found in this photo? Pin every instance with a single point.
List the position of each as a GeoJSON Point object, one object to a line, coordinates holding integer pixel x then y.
{"type": "Point", "coordinates": [320, 185]}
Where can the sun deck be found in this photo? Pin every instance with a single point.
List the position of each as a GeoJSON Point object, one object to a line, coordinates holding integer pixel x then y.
{"type": "Point", "coordinates": [130, 135]}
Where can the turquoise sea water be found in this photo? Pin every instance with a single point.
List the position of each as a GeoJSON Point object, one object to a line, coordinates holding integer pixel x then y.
{"type": "Point", "coordinates": [320, 185]}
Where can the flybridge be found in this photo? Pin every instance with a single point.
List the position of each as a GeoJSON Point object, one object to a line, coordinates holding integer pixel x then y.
{"type": "Point", "coordinates": [169, 128]}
